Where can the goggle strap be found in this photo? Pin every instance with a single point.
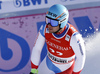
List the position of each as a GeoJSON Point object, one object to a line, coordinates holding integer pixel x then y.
{"type": "Point", "coordinates": [63, 19]}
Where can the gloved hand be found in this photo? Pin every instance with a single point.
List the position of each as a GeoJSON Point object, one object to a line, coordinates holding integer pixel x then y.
{"type": "Point", "coordinates": [34, 71]}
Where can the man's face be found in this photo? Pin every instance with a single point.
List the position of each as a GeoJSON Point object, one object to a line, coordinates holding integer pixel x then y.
{"type": "Point", "coordinates": [53, 29]}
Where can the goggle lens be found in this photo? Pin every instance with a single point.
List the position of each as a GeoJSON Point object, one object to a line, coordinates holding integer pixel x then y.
{"type": "Point", "coordinates": [53, 23]}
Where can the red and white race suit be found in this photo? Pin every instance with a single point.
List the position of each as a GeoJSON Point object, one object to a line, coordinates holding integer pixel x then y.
{"type": "Point", "coordinates": [65, 52]}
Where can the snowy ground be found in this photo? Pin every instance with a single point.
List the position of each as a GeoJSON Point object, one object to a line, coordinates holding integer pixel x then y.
{"type": "Point", "coordinates": [92, 64]}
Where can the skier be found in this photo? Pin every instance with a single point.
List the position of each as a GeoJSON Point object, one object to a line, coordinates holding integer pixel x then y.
{"type": "Point", "coordinates": [65, 46]}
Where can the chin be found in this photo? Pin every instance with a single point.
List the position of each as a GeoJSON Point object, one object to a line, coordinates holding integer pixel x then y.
{"type": "Point", "coordinates": [51, 32]}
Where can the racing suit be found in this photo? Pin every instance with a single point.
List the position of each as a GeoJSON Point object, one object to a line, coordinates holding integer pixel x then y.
{"type": "Point", "coordinates": [65, 51]}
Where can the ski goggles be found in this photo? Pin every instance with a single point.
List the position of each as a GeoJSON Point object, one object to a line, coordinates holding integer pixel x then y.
{"type": "Point", "coordinates": [53, 22]}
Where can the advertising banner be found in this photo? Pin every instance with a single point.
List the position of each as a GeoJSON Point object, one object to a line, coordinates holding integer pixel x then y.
{"type": "Point", "coordinates": [7, 6]}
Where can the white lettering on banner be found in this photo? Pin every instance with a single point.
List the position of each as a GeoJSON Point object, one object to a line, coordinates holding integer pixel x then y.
{"type": "Point", "coordinates": [0, 4]}
{"type": "Point", "coordinates": [19, 3]}
{"type": "Point", "coordinates": [57, 46]}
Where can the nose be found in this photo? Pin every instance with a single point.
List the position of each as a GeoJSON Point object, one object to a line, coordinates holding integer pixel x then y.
{"type": "Point", "coordinates": [49, 25]}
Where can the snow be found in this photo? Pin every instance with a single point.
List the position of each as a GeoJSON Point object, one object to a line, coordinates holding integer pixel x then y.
{"type": "Point", "coordinates": [92, 65]}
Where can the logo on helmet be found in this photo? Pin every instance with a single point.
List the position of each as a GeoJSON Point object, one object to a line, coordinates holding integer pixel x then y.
{"type": "Point", "coordinates": [52, 14]}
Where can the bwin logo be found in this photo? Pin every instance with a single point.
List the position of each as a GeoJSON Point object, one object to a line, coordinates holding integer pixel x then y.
{"type": "Point", "coordinates": [52, 14]}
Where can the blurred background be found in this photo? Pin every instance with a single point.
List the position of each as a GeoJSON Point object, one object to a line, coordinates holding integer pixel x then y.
{"type": "Point", "coordinates": [20, 21]}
